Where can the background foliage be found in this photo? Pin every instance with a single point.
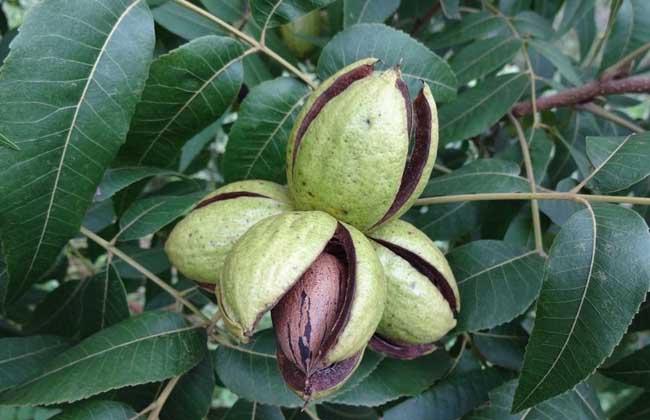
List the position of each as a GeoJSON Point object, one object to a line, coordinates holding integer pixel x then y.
{"type": "Point", "coordinates": [117, 115]}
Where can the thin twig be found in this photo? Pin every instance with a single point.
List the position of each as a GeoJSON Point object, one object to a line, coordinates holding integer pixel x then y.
{"type": "Point", "coordinates": [616, 119]}
{"type": "Point", "coordinates": [162, 398]}
{"type": "Point", "coordinates": [428, 201]}
{"type": "Point", "coordinates": [136, 265]}
{"type": "Point", "coordinates": [249, 40]}
{"type": "Point", "coordinates": [442, 168]}
{"type": "Point", "coordinates": [534, 205]}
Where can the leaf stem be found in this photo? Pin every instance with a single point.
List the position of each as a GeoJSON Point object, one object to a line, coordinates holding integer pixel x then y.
{"type": "Point", "coordinates": [260, 46]}
{"type": "Point", "coordinates": [534, 205]}
{"type": "Point", "coordinates": [162, 399]}
{"type": "Point", "coordinates": [427, 201]}
{"type": "Point", "coordinates": [112, 249]}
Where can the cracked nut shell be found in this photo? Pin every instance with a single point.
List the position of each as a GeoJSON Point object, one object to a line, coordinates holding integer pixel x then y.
{"type": "Point", "coordinates": [325, 288]}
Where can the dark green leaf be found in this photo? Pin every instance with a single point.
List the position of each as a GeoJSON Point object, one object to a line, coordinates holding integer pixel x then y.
{"type": "Point", "coordinates": [578, 404]}
{"type": "Point", "coordinates": [392, 47]}
{"type": "Point", "coordinates": [496, 282]}
{"type": "Point", "coordinates": [449, 399]}
{"type": "Point", "coordinates": [573, 12]}
{"type": "Point", "coordinates": [192, 395]}
{"type": "Point", "coordinates": [245, 410]}
{"type": "Point", "coordinates": [563, 64]}
{"type": "Point", "coordinates": [475, 25]}
{"type": "Point", "coordinates": [480, 176]}
{"type": "Point", "coordinates": [451, 8]}
{"type": "Point", "coordinates": [597, 265]}
{"type": "Point", "coordinates": [642, 319]}
{"type": "Point", "coordinates": [97, 410]}
{"type": "Point", "coordinates": [67, 93]}
{"type": "Point", "coordinates": [343, 412]}
{"type": "Point", "coordinates": [503, 345]}
{"type": "Point", "coordinates": [251, 371]}
{"type": "Point", "coordinates": [445, 222]}
{"type": "Point", "coordinates": [530, 23]}
{"type": "Point", "coordinates": [478, 108]}
{"type": "Point", "coordinates": [5, 142]}
{"type": "Point", "coordinates": [194, 146]}
{"type": "Point", "coordinates": [187, 90]}
{"type": "Point", "coordinates": [638, 410]}
{"type": "Point", "coordinates": [367, 11]}
{"type": "Point", "coordinates": [559, 211]}
{"type": "Point", "coordinates": [633, 369]}
{"type": "Point", "coordinates": [257, 142]}
{"type": "Point", "coordinates": [483, 57]}
{"type": "Point", "coordinates": [150, 347]}
{"type": "Point", "coordinates": [22, 358]}
{"type": "Point", "coordinates": [620, 162]}
{"type": "Point", "coordinates": [631, 31]}
{"type": "Point", "coordinates": [119, 178]}
{"type": "Point", "coordinates": [183, 22]}
{"type": "Point", "coordinates": [228, 10]}
{"type": "Point", "coordinates": [397, 378]}
{"type": "Point", "coordinates": [82, 307]}
{"type": "Point", "coordinates": [270, 13]}
{"type": "Point", "coordinates": [99, 216]}
{"type": "Point", "coordinates": [154, 260]}
{"type": "Point", "coordinates": [148, 215]}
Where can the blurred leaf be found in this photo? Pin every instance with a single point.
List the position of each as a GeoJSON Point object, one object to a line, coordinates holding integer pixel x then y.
{"type": "Point", "coordinates": [559, 211]}
{"type": "Point", "coordinates": [257, 143]}
{"type": "Point", "coordinates": [450, 399]}
{"type": "Point", "coordinates": [477, 109]}
{"type": "Point", "coordinates": [571, 154]}
{"type": "Point", "coordinates": [96, 410]}
{"type": "Point", "coordinates": [187, 90]}
{"type": "Point", "coordinates": [473, 26]}
{"type": "Point", "coordinates": [341, 412]}
{"type": "Point", "coordinates": [67, 93]}
{"type": "Point", "coordinates": [22, 358]}
{"type": "Point", "coordinates": [520, 230]}
{"type": "Point", "coordinates": [392, 47]}
{"type": "Point", "coordinates": [148, 215]}
{"type": "Point", "coordinates": [149, 347]}
{"type": "Point", "coordinates": [479, 176]}
{"type": "Point", "coordinates": [82, 307]}
{"type": "Point", "coordinates": [228, 10]}
{"type": "Point", "coordinates": [530, 23]}
{"type": "Point", "coordinates": [99, 216]}
{"type": "Point", "coordinates": [154, 260]}
{"type": "Point", "coordinates": [574, 11]}
{"type": "Point", "coordinates": [192, 395]}
{"type": "Point", "coordinates": [368, 11]}
{"type": "Point", "coordinates": [397, 378]}
{"type": "Point", "coordinates": [184, 22]}
{"type": "Point", "coordinates": [194, 146]}
{"type": "Point", "coordinates": [633, 369]}
{"type": "Point", "coordinates": [445, 222]}
{"type": "Point", "coordinates": [638, 410]}
{"type": "Point", "coordinates": [251, 371]}
{"type": "Point", "coordinates": [559, 60]}
{"type": "Point", "coordinates": [597, 265]}
{"type": "Point", "coordinates": [496, 282]}
{"type": "Point", "coordinates": [245, 410]}
{"type": "Point", "coordinates": [451, 8]}
{"type": "Point", "coordinates": [631, 30]}
{"type": "Point", "coordinates": [620, 162]}
{"type": "Point", "coordinates": [4, 44]}
{"type": "Point", "coordinates": [483, 57]}
{"type": "Point", "coordinates": [503, 345]}
{"type": "Point", "coordinates": [578, 404]}
{"type": "Point", "coordinates": [642, 319]}
{"type": "Point", "coordinates": [119, 178]}
{"type": "Point", "coordinates": [271, 13]}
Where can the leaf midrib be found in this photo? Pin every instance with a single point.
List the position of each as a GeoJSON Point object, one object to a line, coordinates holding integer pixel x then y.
{"type": "Point", "coordinates": [82, 98]}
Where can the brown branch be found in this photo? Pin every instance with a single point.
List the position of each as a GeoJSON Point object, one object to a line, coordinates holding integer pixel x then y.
{"type": "Point", "coordinates": [420, 22]}
{"type": "Point", "coordinates": [585, 93]}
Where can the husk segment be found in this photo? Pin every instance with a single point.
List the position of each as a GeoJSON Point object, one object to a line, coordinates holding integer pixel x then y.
{"type": "Point", "coordinates": [424, 295]}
